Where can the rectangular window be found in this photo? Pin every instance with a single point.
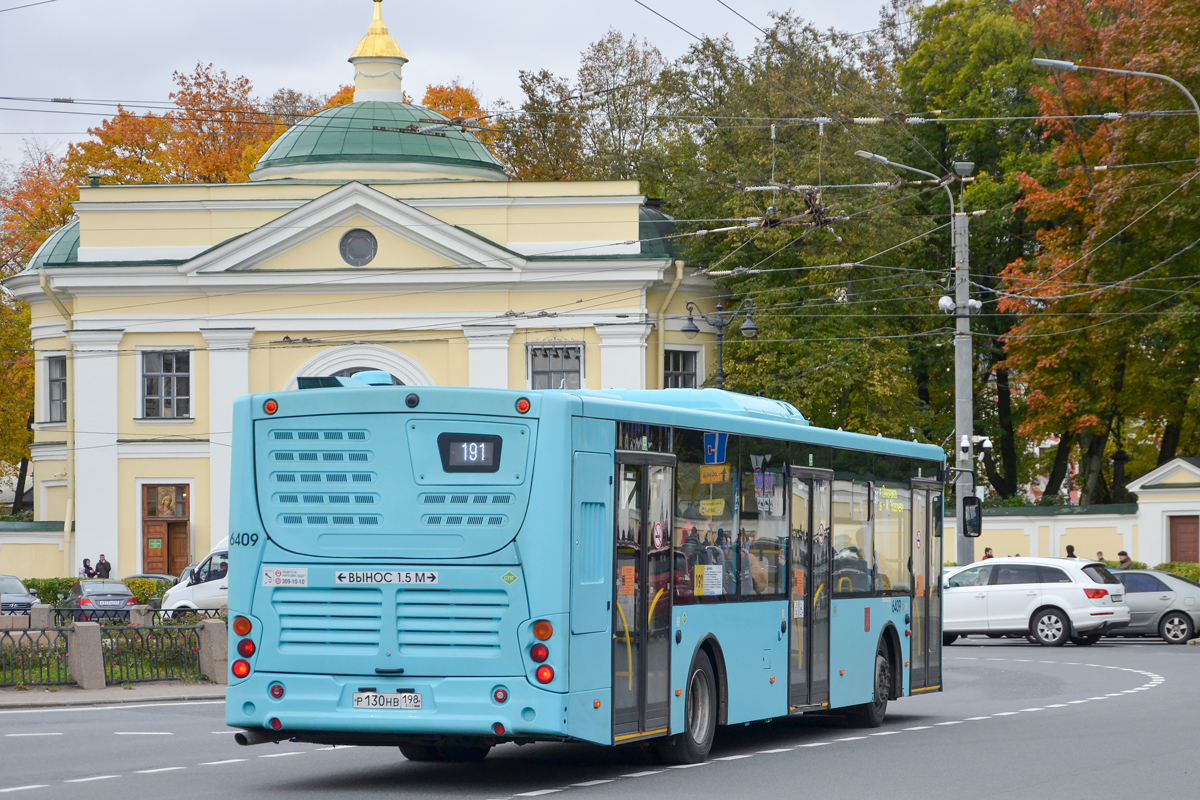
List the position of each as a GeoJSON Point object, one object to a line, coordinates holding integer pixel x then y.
{"type": "Point", "coordinates": [852, 545]}
{"type": "Point", "coordinates": [166, 384]}
{"type": "Point", "coordinates": [556, 366]}
{"type": "Point", "coordinates": [762, 519]}
{"type": "Point", "coordinates": [703, 532]}
{"type": "Point", "coordinates": [56, 388]}
{"type": "Point", "coordinates": [893, 539]}
{"type": "Point", "coordinates": [680, 369]}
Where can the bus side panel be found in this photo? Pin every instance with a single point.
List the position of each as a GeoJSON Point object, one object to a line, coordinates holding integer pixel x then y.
{"type": "Point", "coordinates": [754, 649]}
{"type": "Point", "coordinates": [247, 538]}
{"type": "Point", "coordinates": [855, 628]}
{"type": "Point", "coordinates": [542, 542]}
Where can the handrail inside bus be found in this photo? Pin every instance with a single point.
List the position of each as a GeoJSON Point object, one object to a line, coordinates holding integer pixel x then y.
{"type": "Point", "coordinates": [628, 645]}
{"type": "Point", "coordinates": [650, 616]}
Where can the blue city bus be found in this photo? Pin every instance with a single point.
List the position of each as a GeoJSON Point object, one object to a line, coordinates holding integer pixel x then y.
{"type": "Point", "coordinates": [447, 569]}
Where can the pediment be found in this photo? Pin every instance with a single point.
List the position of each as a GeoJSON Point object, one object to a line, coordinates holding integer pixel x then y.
{"type": "Point", "coordinates": [307, 238]}
{"type": "Point", "coordinates": [1179, 472]}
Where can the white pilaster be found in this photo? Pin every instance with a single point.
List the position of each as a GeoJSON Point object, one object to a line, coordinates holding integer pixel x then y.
{"type": "Point", "coordinates": [94, 407]}
{"type": "Point", "coordinates": [487, 354]}
{"type": "Point", "coordinates": [623, 355]}
{"type": "Point", "coordinates": [228, 378]}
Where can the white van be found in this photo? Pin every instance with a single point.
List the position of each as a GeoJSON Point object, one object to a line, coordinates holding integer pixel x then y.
{"type": "Point", "coordinates": [207, 587]}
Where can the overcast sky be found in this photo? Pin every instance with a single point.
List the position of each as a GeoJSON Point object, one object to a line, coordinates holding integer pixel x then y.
{"type": "Point", "coordinates": [127, 49]}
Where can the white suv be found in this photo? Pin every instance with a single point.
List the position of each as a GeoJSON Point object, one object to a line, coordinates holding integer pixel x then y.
{"type": "Point", "coordinates": [1049, 600]}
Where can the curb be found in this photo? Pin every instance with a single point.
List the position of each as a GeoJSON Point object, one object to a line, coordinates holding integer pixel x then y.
{"type": "Point", "coordinates": [95, 701]}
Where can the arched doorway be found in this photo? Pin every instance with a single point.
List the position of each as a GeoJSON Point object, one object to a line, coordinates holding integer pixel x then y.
{"type": "Point", "coordinates": [352, 358]}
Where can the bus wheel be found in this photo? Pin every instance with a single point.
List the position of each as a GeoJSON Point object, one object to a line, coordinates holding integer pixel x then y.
{"type": "Point", "coordinates": [420, 752]}
{"type": "Point", "coordinates": [870, 715]}
{"type": "Point", "coordinates": [464, 755]}
{"type": "Point", "coordinates": [700, 716]}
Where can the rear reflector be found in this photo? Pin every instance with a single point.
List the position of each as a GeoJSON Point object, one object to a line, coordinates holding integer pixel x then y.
{"type": "Point", "coordinates": [498, 729]}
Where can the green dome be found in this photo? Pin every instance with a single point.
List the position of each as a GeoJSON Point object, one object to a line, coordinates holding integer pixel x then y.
{"type": "Point", "coordinates": [346, 134]}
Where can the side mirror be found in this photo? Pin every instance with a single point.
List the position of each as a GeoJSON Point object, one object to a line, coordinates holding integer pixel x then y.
{"type": "Point", "coordinates": [972, 516]}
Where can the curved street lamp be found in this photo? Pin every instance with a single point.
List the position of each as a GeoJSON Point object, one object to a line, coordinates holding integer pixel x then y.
{"type": "Point", "coordinates": [1071, 66]}
{"type": "Point", "coordinates": [720, 320]}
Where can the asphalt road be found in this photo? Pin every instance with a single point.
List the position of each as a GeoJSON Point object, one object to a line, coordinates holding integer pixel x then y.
{"type": "Point", "coordinates": [1016, 721]}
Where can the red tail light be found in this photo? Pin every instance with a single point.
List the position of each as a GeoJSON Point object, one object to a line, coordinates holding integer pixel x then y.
{"type": "Point", "coordinates": [538, 652]}
{"type": "Point", "coordinates": [500, 695]}
{"type": "Point", "coordinates": [276, 690]}
{"type": "Point", "coordinates": [83, 601]}
{"type": "Point", "coordinates": [545, 673]}
{"type": "Point", "coordinates": [131, 601]}
{"type": "Point", "coordinates": [240, 668]}
{"type": "Point", "coordinates": [245, 648]}
{"type": "Point", "coordinates": [1096, 594]}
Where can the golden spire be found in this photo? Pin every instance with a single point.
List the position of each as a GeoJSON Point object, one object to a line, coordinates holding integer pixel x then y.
{"type": "Point", "coordinates": [377, 43]}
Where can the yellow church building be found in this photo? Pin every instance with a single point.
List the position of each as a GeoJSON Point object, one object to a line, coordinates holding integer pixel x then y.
{"type": "Point", "coordinates": [368, 237]}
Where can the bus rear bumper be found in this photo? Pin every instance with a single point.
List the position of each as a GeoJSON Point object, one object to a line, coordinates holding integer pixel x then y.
{"type": "Point", "coordinates": [320, 708]}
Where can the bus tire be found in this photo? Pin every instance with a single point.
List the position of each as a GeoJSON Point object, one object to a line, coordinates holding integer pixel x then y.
{"type": "Point", "coordinates": [870, 715]}
{"type": "Point", "coordinates": [949, 639]}
{"type": "Point", "coordinates": [420, 752]}
{"type": "Point", "coordinates": [699, 714]}
{"type": "Point", "coordinates": [464, 755]}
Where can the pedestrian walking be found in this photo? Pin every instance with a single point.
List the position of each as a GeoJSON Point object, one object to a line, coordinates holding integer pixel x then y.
{"type": "Point", "coordinates": [1071, 551]}
{"type": "Point", "coordinates": [103, 568]}
{"type": "Point", "coordinates": [86, 570]}
{"type": "Point", "coordinates": [1123, 561]}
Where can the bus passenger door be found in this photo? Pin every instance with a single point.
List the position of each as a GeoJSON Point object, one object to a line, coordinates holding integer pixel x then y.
{"type": "Point", "coordinates": [809, 549]}
{"type": "Point", "coordinates": [642, 597]}
{"type": "Point", "coordinates": [927, 579]}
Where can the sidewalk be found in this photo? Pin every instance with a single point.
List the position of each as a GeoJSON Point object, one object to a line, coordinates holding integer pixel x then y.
{"type": "Point", "coordinates": [159, 691]}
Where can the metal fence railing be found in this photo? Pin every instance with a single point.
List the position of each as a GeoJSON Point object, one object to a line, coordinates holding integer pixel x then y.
{"type": "Point", "coordinates": [69, 616]}
{"type": "Point", "coordinates": [134, 654]}
{"type": "Point", "coordinates": [34, 657]}
{"type": "Point", "coordinates": [187, 616]}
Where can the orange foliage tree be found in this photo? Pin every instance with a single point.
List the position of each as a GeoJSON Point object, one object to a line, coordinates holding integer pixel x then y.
{"type": "Point", "coordinates": [1108, 339]}
{"type": "Point", "coordinates": [461, 104]}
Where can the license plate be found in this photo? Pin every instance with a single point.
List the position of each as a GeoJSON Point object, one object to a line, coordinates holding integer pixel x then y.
{"type": "Point", "coordinates": [109, 603]}
{"type": "Point", "coordinates": [409, 700]}
{"type": "Point", "coordinates": [1116, 598]}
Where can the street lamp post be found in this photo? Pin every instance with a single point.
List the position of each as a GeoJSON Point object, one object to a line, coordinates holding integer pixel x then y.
{"type": "Point", "coordinates": [720, 320]}
{"type": "Point", "coordinates": [1071, 66]}
{"type": "Point", "coordinates": [962, 308]}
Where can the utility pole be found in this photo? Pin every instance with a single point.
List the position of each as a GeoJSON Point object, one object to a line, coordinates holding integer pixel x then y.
{"type": "Point", "coordinates": [961, 307]}
{"type": "Point", "coordinates": [964, 410]}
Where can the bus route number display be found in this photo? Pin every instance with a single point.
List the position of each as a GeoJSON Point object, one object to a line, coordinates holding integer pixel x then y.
{"type": "Point", "coordinates": [467, 452]}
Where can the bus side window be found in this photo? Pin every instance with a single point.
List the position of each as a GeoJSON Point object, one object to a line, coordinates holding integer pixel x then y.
{"type": "Point", "coordinates": [852, 545]}
{"type": "Point", "coordinates": [703, 524]}
{"type": "Point", "coordinates": [762, 526]}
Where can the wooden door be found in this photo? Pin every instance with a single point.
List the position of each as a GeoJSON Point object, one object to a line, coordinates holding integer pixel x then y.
{"type": "Point", "coordinates": [178, 547]}
{"type": "Point", "coordinates": [166, 531]}
{"type": "Point", "coordinates": [154, 547]}
{"type": "Point", "coordinates": [1185, 539]}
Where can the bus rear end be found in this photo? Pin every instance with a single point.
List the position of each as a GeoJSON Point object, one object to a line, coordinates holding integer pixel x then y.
{"type": "Point", "coordinates": [377, 590]}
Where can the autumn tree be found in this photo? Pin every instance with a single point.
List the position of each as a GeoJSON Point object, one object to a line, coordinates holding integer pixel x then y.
{"type": "Point", "coordinates": [1107, 342]}
{"type": "Point", "coordinates": [460, 102]}
{"type": "Point", "coordinates": [35, 200]}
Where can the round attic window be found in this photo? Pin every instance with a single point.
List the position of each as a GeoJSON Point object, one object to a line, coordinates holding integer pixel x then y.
{"type": "Point", "coordinates": [358, 247]}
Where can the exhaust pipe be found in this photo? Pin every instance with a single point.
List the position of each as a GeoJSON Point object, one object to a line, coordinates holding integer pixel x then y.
{"type": "Point", "coordinates": [258, 736]}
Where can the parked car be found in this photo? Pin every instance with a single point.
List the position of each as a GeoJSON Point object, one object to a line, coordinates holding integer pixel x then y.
{"type": "Point", "coordinates": [98, 599]}
{"type": "Point", "coordinates": [206, 587]}
{"type": "Point", "coordinates": [14, 597]}
{"type": "Point", "coordinates": [1049, 600]}
{"type": "Point", "coordinates": [1160, 604]}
